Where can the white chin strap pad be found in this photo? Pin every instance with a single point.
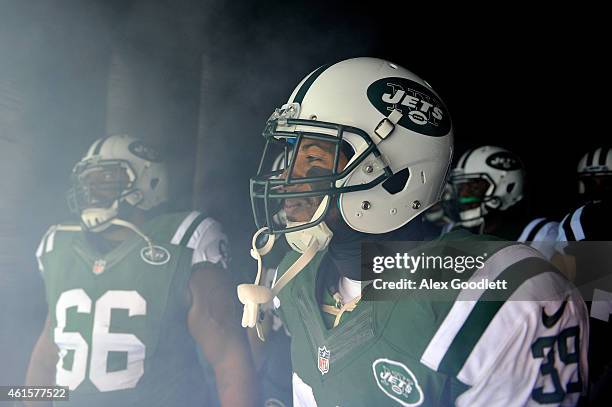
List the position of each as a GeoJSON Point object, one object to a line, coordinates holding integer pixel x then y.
{"type": "Point", "coordinates": [99, 219]}
{"type": "Point", "coordinates": [472, 217]}
{"type": "Point", "coordinates": [301, 240]}
{"type": "Point", "coordinates": [252, 296]}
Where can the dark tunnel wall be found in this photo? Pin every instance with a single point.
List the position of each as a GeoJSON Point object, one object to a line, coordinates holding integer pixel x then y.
{"type": "Point", "coordinates": [200, 78]}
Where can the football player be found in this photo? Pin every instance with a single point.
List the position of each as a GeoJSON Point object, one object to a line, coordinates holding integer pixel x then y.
{"type": "Point", "coordinates": [488, 183]}
{"type": "Point", "coordinates": [590, 263]}
{"type": "Point", "coordinates": [590, 220]}
{"type": "Point", "coordinates": [134, 292]}
{"type": "Point", "coordinates": [488, 189]}
{"type": "Point", "coordinates": [372, 145]}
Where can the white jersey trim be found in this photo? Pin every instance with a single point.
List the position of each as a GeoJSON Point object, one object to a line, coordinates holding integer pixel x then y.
{"type": "Point", "coordinates": [45, 246]}
{"type": "Point", "coordinates": [561, 236]}
{"type": "Point", "coordinates": [576, 225]}
{"type": "Point", "coordinates": [199, 232]}
{"type": "Point", "coordinates": [209, 243]}
{"type": "Point", "coordinates": [523, 237]}
{"type": "Point", "coordinates": [303, 395]}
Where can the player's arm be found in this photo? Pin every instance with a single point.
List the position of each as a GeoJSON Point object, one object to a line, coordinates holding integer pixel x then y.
{"type": "Point", "coordinates": [258, 347]}
{"type": "Point", "coordinates": [41, 369]}
{"type": "Point", "coordinates": [214, 322]}
{"type": "Point", "coordinates": [542, 360]}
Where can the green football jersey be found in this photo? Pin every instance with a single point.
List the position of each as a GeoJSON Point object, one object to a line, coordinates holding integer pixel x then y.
{"type": "Point", "coordinates": [119, 319]}
{"type": "Point", "coordinates": [420, 352]}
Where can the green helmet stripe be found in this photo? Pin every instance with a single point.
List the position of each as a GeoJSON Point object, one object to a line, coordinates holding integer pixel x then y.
{"type": "Point", "coordinates": [93, 147]}
{"type": "Point", "coordinates": [98, 147]}
{"type": "Point", "coordinates": [299, 97]}
{"type": "Point", "coordinates": [463, 160]}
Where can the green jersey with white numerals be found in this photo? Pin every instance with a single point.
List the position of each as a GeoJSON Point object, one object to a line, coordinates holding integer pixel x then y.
{"type": "Point", "coordinates": [119, 319]}
{"type": "Point", "coordinates": [414, 351]}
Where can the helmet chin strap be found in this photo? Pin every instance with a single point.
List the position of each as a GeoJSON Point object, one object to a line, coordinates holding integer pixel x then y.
{"type": "Point", "coordinates": [473, 217]}
{"type": "Point", "coordinates": [99, 219]}
{"type": "Point", "coordinates": [308, 242]}
{"type": "Point", "coordinates": [133, 228]}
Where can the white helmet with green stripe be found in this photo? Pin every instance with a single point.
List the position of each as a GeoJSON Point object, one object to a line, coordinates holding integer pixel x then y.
{"type": "Point", "coordinates": [595, 174]}
{"type": "Point", "coordinates": [486, 178]}
{"type": "Point", "coordinates": [392, 126]}
{"type": "Point", "coordinates": [116, 170]}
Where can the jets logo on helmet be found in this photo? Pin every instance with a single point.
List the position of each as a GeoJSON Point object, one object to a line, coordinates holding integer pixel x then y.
{"type": "Point", "coordinates": [422, 110]}
{"type": "Point", "coordinates": [504, 160]}
{"type": "Point", "coordinates": [141, 150]}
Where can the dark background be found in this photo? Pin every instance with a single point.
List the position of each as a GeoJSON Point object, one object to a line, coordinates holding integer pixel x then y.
{"type": "Point", "coordinates": [199, 79]}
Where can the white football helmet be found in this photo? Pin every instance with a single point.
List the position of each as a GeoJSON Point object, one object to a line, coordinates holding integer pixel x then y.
{"type": "Point", "coordinates": [115, 170]}
{"type": "Point", "coordinates": [400, 138]}
{"type": "Point", "coordinates": [485, 178]}
{"type": "Point", "coordinates": [595, 174]}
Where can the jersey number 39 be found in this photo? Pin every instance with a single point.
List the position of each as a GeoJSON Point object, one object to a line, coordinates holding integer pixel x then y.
{"type": "Point", "coordinates": [102, 341]}
{"type": "Point", "coordinates": [566, 339]}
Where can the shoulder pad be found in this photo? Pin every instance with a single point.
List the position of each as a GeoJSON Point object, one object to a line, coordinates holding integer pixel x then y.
{"type": "Point", "coordinates": [532, 228]}
{"type": "Point", "coordinates": [190, 229]}
{"type": "Point", "coordinates": [205, 236]}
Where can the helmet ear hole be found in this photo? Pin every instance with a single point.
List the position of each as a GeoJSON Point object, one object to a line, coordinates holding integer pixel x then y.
{"type": "Point", "coordinates": [397, 182]}
{"type": "Point", "coordinates": [154, 183]}
{"type": "Point", "coordinates": [510, 187]}
{"type": "Point", "coordinates": [495, 202]}
{"type": "Point", "coordinates": [134, 198]}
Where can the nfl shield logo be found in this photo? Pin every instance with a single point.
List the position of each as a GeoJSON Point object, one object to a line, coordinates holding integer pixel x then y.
{"type": "Point", "coordinates": [99, 266]}
{"type": "Point", "coordinates": [323, 360]}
